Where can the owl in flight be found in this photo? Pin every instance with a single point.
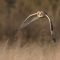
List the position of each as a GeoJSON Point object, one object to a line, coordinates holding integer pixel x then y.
{"type": "Point", "coordinates": [35, 16]}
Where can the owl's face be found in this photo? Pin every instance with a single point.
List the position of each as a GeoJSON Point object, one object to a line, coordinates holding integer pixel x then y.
{"type": "Point", "coordinates": [40, 14]}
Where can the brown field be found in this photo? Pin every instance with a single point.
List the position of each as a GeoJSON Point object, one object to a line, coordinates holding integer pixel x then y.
{"type": "Point", "coordinates": [33, 42]}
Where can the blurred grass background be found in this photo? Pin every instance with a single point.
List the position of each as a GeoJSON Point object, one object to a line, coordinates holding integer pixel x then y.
{"type": "Point", "coordinates": [35, 38]}
{"type": "Point", "coordinates": [14, 12]}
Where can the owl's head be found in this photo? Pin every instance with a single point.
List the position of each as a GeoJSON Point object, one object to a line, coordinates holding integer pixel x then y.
{"type": "Point", "coordinates": [41, 14]}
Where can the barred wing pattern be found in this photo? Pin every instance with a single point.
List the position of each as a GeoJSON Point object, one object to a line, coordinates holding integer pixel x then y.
{"type": "Point", "coordinates": [28, 20]}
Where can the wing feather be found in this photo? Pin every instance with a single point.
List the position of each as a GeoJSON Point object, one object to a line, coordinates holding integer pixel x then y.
{"type": "Point", "coordinates": [51, 28]}
{"type": "Point", "coordinates": [28, 20]}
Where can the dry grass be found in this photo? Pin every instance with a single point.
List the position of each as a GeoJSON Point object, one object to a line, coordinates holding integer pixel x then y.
{"type": "Point", "coordinates": [31, 51]}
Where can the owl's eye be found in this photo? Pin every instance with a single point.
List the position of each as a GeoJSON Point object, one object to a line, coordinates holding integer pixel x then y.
{"type": "Point", "coordinates": [41, 14]}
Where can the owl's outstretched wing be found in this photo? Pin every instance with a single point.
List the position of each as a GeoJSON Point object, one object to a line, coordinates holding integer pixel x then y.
{"type": "Point", "coordinates": [51, 28]}
{"type": "Point", "coordinates": [28, 20]}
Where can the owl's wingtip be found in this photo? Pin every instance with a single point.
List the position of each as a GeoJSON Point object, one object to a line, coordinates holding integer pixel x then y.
{"type": "Point", "coordinates": [54, 40]}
